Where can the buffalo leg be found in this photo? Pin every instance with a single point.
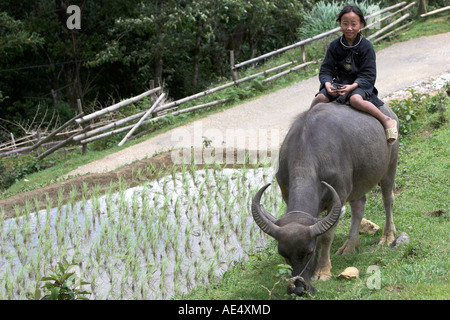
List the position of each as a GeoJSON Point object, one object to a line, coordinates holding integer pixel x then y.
{"type": "Point", "coordinates": [352, 243]}
{"type": "Point", "coordinates": [323, 267]}
{"type": "Point", "coordinates": [387, 192]}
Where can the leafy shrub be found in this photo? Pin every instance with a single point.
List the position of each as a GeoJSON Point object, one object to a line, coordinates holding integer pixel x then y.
{"type": "Point", "coordinates": [437, 106]}
{"type": "Point", "coordinates": [14, 168]}
{"type": "Point", "coordinates": [63, 286]}
{"type": "Point", "coordinates": [323, 16]}
{"type": "Point", "coordinates": [407, 111]}
{"type": "Point", "coordinates": [320, 19]}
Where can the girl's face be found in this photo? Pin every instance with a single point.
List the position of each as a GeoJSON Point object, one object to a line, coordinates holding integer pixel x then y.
{"type": "Point", "coordinates": [350, 25]}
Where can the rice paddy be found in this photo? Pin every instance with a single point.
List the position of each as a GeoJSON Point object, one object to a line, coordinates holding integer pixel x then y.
{"type": "Point", "coordinates": [149, 242]}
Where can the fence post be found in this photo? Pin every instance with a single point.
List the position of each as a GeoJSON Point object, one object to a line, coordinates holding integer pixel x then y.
{"type": "Point", "coordinates": [367, 30]}
{"type": "Point", "coordinates": [83, 126]}
{"type": "Point", "coordinates": [303, 47]}
{"type": "Point", "coordinates": [13, 141]}
{"type": "Point", "coordinates": [38, 138]}
{"type": "Point", "coordinates": [422, 7]}
{"type": "Point", "coordinates": [234, 73]}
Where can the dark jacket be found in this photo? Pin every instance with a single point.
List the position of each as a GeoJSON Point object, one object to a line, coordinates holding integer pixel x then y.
{"type": "Point", "coordinates": [346, 64]}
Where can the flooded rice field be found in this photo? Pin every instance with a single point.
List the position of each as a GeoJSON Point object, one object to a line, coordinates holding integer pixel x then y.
{"type": "Point", "coordinates": [149, 242]}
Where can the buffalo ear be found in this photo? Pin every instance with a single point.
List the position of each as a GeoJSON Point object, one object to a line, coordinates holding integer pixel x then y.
{"type": "Point", "coordinates": [326, 223]}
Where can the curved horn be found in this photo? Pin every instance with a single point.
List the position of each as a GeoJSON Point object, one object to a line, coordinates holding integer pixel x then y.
{"type": "Point", "coordinates": [263, 219]}
{"type": "Point", "coordinates": [326, 223]}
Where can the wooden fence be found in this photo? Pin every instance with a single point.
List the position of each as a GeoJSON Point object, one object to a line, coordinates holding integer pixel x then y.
{"type": "Point", "coordinates": [90, 129]}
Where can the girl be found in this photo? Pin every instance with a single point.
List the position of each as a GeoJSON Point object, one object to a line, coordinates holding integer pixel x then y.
{"type": "Point", "coordinates": [347, 74]}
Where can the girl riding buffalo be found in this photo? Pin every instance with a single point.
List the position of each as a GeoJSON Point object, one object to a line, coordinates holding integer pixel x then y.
{"type": "Point", "coordinates": [347, 74]}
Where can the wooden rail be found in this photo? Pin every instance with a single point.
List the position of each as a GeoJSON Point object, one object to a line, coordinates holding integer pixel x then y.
{"type": "Point", "coordinates": [435, 11]}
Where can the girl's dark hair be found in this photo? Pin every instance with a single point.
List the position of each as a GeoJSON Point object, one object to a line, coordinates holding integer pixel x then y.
{"type": "Point", "coordinates": [351, 8]}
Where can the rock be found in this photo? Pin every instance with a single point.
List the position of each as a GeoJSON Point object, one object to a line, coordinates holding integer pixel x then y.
{"type": "Point", "coordinates": [402, 238]}
{"type": "Point", "coordinates": [349, 273]}
{"type": "Point", "coordinates": [368, 227]}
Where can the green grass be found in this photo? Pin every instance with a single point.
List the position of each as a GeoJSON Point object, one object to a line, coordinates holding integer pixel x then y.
{"type": "Point", "coordinates": [418, 270]}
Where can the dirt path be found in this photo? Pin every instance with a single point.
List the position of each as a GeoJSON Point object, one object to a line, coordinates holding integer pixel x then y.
{"type": "Point", "coordinates": [262, 123]}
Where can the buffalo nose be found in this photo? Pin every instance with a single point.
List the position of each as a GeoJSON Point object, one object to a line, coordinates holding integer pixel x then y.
{"type": "Point", "coordinates": [297, 290]}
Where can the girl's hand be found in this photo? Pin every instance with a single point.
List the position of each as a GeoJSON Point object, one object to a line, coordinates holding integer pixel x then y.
{"type": "Point", "coordinates": [331, 91]}
{"type": "Point", "coordinates": [345, 89]}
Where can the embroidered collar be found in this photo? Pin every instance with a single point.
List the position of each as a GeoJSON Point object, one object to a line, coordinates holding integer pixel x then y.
{"type": "Point", "coordinates": [353, 46]}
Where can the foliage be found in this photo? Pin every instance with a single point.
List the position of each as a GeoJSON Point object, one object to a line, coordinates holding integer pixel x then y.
{"type": "Point", "coordinates": [14, 168]}
{"type": "Point", "coordinates": [407, 111]}
{"type": "Point", "coordinates": [65, 286]}
{"type": "Point", "coordinates": [439, 104]}
{"type": "Point", "coordinates": [410, 109]}
{"type": "Point", "coordinates": [323, 17]}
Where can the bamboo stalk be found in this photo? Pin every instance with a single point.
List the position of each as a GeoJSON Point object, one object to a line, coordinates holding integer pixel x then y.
{"type": "Point", "coordinates": [200, 106]}
{"type": "Point", "coordinates": [435, 11]}
{"type": "Point", "coordinates": [195, 96]}
{"type": "Point", "coordinates": [389, 16]}
{"type": "Point", "coordinates": [58, 146]}
{"type": "Point", "coordinates": [107, 134]}
{"type": "Point", "coordinates": [222, 87]}
{"type": "Point", "coordinates": [26, 149]}
{"type": "Point", "coordinates": [149, 111]}
{"type": "Point", "coordinates": [5, 145]}
{"type": "Point", "coordinates": [51, 135]}
{"type": "Point", "coordinates": [388, 26]}
{"type": "Point", "coordinates": [292, 46]}
{"type": "Point", "coordinates": [108, 126]}
{"type": "Point", "coordinates": [385, 10]}
{"type": "Point", "coordinates": [117, 106]}
{"type": "Point", "coordinates": [303, 65]}
{"type": "Point", "coordinates": [393, 31]}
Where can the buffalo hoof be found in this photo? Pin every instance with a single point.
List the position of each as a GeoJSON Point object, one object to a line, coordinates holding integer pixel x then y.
{"type": "Point", "coordinates": [347, 248]}
{"type": "Point", "coordinates": [323, 274]}
{"type": "Point", "coordinates": [387, 238]}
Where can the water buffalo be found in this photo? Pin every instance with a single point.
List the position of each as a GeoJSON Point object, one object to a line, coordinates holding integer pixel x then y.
{"type": "Point", "coordinates": [332, 154]}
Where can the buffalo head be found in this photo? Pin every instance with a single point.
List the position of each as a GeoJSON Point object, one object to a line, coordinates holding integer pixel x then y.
{"type": "Point", "coordinates": [296, 233]}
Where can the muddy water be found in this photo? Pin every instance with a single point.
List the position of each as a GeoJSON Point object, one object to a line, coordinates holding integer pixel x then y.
{"type": "Point", "coordinates": [148, 242]}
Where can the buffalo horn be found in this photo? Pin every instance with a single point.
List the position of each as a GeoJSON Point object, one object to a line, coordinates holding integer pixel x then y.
{"type": "Point", "coordinates": [326, 223]}
{"type": "Point", "coordinates": [263, 219]}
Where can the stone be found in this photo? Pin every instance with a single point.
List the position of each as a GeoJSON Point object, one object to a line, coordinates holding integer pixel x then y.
{"type": "Point", "coordinates": [403, 238]}
{"type": "Point", "coordinates": [349, 273]}
{"type": "Point", "coordinates": [368, 227]}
